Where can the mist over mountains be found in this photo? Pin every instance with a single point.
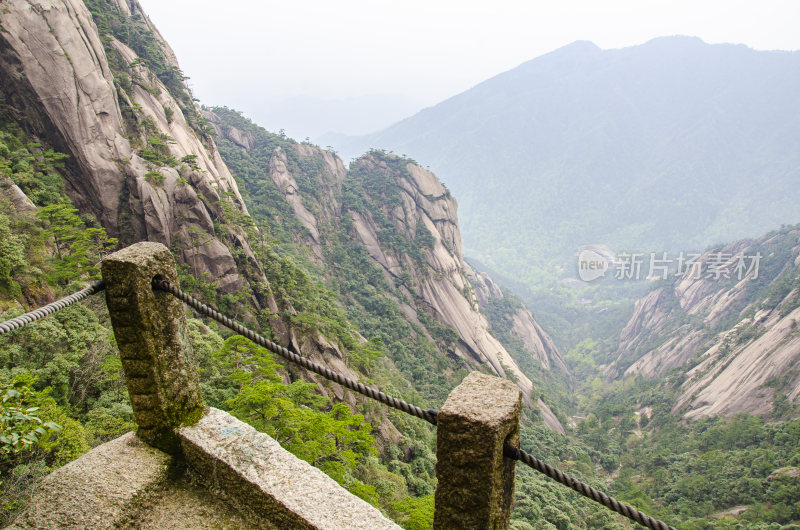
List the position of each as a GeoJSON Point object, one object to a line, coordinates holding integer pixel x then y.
{"type": "Point", "coordinates": [671, 145]}
{"type": "Point", "coordinates": [304, 116]}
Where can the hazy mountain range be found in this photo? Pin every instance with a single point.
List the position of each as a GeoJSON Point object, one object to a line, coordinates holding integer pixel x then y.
{"type": "Point", "coordinates": [671, 145]}
{"type": "Point", "coordinates": [309, 116]}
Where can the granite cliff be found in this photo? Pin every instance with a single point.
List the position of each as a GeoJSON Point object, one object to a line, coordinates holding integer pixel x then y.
{"type": "Point", "coordinates": [730, 340]}
{"type": "Point", "coordinates": [406, 222]}
{"type": "Point", "coordinates": [138, 161]}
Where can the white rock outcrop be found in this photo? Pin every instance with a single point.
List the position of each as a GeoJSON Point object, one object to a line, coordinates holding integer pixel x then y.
{"type": "Point", "coordinates": [55, 73]}
{"type": "Point", "coordinates": [740, 361]}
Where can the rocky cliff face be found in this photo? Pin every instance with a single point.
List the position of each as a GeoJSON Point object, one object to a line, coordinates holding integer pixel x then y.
{"type": "Point", "coordinates": [141, 159]}
{"type": "Point", "coordinates": [520, 322]}
{"type": "Point", "coordinates": [735, 339]}
{"type": "Point", "coordinates": [135, 162]}
{"type": "Point", "coordinates": [424, 210]}
{"type": "Point", "coordinates": [406, 221]}
{"type": "Point", "coordinates": [437, 281]}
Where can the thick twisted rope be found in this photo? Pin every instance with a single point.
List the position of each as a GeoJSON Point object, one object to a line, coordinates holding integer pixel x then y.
{"type": "Point", "coordinates": [427, 415]}
{"type": "Point", "coordinates": [584, 489]}
{"type": "Point", "coordinates": [36, 314]}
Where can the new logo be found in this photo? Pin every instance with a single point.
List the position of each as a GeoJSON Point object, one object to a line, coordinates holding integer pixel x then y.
{"type": "Point", "coordinates": [594, 261]}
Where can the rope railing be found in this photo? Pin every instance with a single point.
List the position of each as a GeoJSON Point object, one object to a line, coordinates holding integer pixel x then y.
{"type": "Point", "coordinates": [428, 415]}
{"type": "Point", "coordinates": [584, 489]}
{"type": "Point", "coordinates": [32, 316]}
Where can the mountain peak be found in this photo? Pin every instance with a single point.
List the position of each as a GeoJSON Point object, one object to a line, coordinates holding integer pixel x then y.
{"type": "Point", "coordinates": [634, 130]}
{"type": "Point", "coordinates": [676, 40]}
{"type": "Point", "coordinates": [580, 46]}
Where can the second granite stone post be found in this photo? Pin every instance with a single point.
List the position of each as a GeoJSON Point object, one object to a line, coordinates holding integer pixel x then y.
{"type": "Point", "coordinates": [475, 483]}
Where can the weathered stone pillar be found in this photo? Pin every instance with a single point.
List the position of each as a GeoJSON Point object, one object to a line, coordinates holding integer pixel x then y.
{"type": "Point", "coordinates": [475, 483]}
{"type": "Point", "coordinates": [150, 329]}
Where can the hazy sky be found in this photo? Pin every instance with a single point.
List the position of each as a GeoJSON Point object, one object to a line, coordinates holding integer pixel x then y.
{"type": "Point", "coordinates": [253, 55]}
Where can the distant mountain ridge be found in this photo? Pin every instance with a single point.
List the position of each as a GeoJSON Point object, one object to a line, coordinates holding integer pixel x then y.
{"type": "Point", "coordinates": [671, 145]}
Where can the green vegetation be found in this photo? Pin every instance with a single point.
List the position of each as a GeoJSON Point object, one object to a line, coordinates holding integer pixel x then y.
{"type": "Point", "coordinates": [715, 464]}
{"type": "Point", "coordinates": [78, 247]}
{"type": "Point", "coordinates": [324, 434]}
{"type": "Point", "coordinates": [70, 369]}
{"type": "Point", "coordinates": [61, 378]}
{"type": "Point", "coordinates": [30, 166]}
{"type": "Point", "coordinates": [157, 152]}
{"type": "Point", "coordinates": [154, 177]}
{"type": "Point", "coordinates": [20, 425]}
{"type": "Point", "coordinates": [687, 473]}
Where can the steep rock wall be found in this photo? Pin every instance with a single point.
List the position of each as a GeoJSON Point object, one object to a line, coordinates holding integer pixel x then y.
{"type": "Point", "coordinates": [441, 284]}
{"type": "Point", "coordinates": [523, 325]}
{"type": "Point", "coordinates": [438, 284]}
{"type": "Point", "coordinates": [736, 339]}
{"type": "Point", "coordinates": [405, 220]}
{"type": "Point", "coordinates": [55, 74]}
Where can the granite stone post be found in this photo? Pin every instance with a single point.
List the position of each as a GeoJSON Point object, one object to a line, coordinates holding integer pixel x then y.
{"type": "Point", "coordinates": [150, 329]}
{"type": "Point", "coordinates": [475, 483]}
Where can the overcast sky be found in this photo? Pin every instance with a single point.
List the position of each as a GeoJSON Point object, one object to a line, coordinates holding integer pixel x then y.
{"type": "Point", "coordinates": [272, 59]}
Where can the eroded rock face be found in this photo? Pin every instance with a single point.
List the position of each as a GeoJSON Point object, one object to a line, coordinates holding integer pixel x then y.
{"type": "Point", "coordinates": [741, 334]}
{"type": "Point", "coordinates": [653, 317]}
{"type": "Point", "coordinates": [287, 185]}
{"type": "Point", "coordinates": [743, 376]}
{"type": "Point", "coordinates": [54, 71]}
{"type": "Point", "coordinates": [523, 325]}
{"type": "Point", "coordinates": [440, 282]}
